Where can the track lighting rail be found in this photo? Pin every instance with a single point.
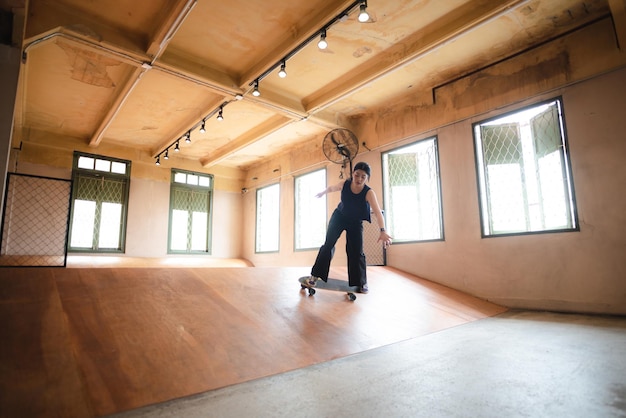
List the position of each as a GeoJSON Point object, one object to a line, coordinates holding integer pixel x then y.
{"type": "Point", "coordinates": [361, 5]}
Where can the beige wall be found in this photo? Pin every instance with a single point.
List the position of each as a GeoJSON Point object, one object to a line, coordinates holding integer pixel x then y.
{"type": "Point", "coordinates": [148, 217]}
{"type": "Point", "coordinates": [581, 271]}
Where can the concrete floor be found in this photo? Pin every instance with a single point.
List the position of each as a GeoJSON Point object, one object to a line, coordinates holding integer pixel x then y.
{"type": "Point", "coordinates": [517, 364]}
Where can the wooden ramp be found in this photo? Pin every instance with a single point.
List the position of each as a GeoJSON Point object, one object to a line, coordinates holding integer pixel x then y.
{"type": "Point", "coordinates": [95, 341]}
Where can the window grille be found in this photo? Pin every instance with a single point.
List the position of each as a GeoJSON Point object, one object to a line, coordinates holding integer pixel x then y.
{"type": "Point", "coordinates": [190, 212]}
{"type": "Point", "coordinates": [523, 172]}
{"type": "Point", "coordinates": [411, 188]}
{"type": "Point", "coordinates": [99, 204]}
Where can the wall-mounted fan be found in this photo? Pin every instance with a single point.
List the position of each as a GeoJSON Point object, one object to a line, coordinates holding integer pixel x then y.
{"type": "Point", "coordinates": [341, 146]}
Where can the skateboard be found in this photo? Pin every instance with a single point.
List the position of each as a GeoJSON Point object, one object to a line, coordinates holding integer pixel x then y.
{"type": "Point", "coordinates": [331, 284]}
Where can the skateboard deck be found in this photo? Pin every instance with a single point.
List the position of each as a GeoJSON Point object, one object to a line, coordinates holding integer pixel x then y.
{"type": "Point", "coordinates": [331, 284]}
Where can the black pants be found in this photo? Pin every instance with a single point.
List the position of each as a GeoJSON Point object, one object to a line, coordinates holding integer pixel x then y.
{"type": "Point", "coordinates": [357, 275]}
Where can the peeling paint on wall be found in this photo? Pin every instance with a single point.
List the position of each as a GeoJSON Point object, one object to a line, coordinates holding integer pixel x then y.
{"type": "Point", "coordinates": [484, 85]}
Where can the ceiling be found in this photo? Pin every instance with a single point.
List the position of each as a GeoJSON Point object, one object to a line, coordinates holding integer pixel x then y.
{"type": "Point", "coordinates": [140, 74]}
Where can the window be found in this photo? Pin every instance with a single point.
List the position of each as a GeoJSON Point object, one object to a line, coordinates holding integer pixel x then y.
{"type": "Point", "coordinates": [99, 203]}
{"type": "Point", "coordinates": [267, 218]}
{"type": "Point", "coordinates": [310, 219]}
{"type": "Point", "coordinates": [190, 207]}
{"type": "Point", "coordinates": [412, 192]}
{"type": "Point", "coordinates": [523, 172]}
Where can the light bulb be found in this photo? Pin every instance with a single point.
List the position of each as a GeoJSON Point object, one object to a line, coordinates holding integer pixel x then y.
{"type": "Point", "coordinates": [363, 16]}
{"type": "Point", "coordinates": [322, 44]}
{"type": "Point", "coordinates": [282, 73]}
{"type": "Point", "coordinates": [256, 92]}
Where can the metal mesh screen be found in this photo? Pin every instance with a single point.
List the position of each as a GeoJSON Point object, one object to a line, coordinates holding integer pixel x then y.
{"type": "Point", "coordinates": [411, 190]}
{"type": "Point", "coordinates": [373, 249]}
{"type": "Point", "coordinates": [523, 173]}
{"type": "Point", "coordinates": [93, 228]}
{"type": "Point", "coordinates": [34, 227]}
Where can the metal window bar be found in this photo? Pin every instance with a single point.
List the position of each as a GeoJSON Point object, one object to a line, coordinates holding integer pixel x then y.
{"type": "Point", "coordinates": [190, 200]}
{"type": "Point", "coordinates": [523, 173]}
{"type": "Point", "coordinates": [412, 192]}
{"type": "Point", "coordinates": [98, 189]}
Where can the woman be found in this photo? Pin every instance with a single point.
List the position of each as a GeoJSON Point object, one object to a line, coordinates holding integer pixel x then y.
{"type": "Point", "coordinates": [356, 200]}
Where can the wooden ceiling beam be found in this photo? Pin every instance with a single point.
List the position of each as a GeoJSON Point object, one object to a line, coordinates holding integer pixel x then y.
{"type": "Point", "coordinates": [168, 27]}
{"type": "Point", "coordinates": [270, 125]}
{"type": "Point", "coordinates": [170, 24]}
{"type": "Point", "coordinates": [46, 17]}
{"type": "Point", "coordinates": [424, 41]}
{"type": "Point", "coordinates": [304, 31]}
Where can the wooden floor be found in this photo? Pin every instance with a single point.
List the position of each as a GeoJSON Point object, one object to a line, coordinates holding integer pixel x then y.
{"type": "Point", "coordinates": [84, 342]}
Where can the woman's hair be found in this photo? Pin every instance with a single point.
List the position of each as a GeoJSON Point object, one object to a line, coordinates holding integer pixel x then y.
{"type": "Point", "coordinates": [364, 167]}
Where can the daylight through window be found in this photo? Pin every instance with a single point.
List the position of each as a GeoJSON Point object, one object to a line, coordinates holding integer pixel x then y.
{"type": "Point", "coordinates": [310, 217]}
{"type": "Point", "coordinates": [190, 212]}
{"type": "Point", "coordinates": [412, 192]}
{"type": "Point", "coordinates": [268, 218]}
{"type": "Point", "coordinates": [99, 203]}
{"type": "Point", "coordinates": [523, 172]}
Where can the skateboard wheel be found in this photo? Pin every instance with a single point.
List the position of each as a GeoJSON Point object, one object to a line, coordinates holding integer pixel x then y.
{"type": "Point", "coordinates": [311, 291]}
{"type": "Point", "coordinates": [352, 296]}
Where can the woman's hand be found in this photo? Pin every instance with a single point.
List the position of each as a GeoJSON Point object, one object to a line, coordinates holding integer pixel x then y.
{"type": "Point", "coordinates": [385, 238]}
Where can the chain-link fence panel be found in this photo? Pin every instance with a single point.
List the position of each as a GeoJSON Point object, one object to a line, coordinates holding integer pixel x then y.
{"type": "Point", "coordinates": [35, 222]}
{"type": "Point", "coordinates": [373, 249]}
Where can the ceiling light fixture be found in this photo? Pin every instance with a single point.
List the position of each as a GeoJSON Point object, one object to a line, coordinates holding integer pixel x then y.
{"type": "Point", "coordinates": [158, 161]}
{"type": "Point", "coordinates": [201, 126]}
{"type": "Point", "coordinates": [360, 5]}
{"type": "Point", "coordinates": [167, 154]}
{"type": "Point", "coordinates": [363, 16]}
{"type": "Point", "coordinates": [256, 92]}
{"type": "Point", "coordinates": [282, 73]}
{"type": "Point", "coordinates": [322, 44]}
{"type": "Point", "coordinates": [282, 63]}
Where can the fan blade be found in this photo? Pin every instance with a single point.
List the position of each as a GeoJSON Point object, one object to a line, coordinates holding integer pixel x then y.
{"type": "Point", "coordinates": [340, 145]}
{"type": "Point", "coordinates": [345, 152]}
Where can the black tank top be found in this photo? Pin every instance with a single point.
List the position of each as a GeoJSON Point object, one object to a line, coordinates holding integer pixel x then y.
{"type": "Point", "coordinates": [354, 206]}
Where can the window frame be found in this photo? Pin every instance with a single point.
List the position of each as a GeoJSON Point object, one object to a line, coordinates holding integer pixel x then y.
{"type": "Point", "coordinates": [385, 181]}
{"type": "Point", "coordinates": [100, 174]}
{"type": "Point", "coordinates": [256, 224]}
{"type": "Point", "coordinates": [323, 198]}
{"type": "Point", "coordinates": [566, 169]}
{"type": "Point", "coordinates": [209, 190]}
